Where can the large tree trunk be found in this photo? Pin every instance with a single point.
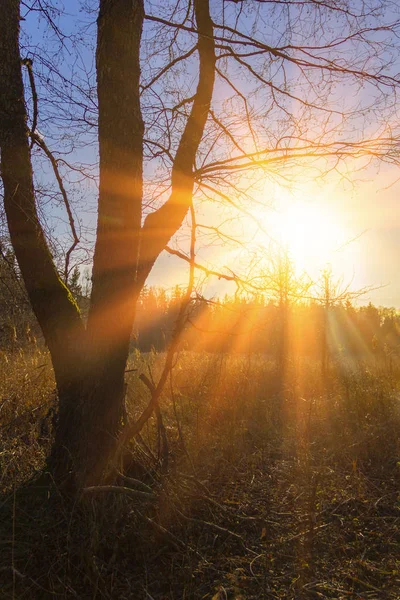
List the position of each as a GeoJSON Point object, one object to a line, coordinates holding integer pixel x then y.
{"type": "Point", "coordinates": [90, 364]}
{"type": "Point", "coordinates": [89, 425]}
{"type": "Point", "coordinates": [96, 413]}
{"type": "Point", "coordinates": [91, 409]}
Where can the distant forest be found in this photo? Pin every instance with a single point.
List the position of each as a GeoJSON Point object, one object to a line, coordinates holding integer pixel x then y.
{"type": "Point", "coordinates": [243, 324]}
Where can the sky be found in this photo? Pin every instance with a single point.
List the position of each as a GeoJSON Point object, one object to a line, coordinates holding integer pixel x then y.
{"type": "Point", "coordinates": [363, 248]}
{"type": "Point", "coordinates": [357, 222]}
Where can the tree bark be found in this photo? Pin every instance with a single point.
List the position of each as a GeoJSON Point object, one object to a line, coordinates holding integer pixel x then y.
{"type": "Point", "coordinates": [115, 290]}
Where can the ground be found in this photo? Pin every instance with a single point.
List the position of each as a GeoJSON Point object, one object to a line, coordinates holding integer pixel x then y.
{"type": "Point", "coordinates": [275, 487]}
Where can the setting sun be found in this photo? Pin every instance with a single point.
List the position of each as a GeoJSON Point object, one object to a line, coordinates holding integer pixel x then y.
{"type": "Point", "coordinates": [310, 230]}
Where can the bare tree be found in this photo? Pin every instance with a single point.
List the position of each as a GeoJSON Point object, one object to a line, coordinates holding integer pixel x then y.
{"type": "Point", "coordinates": [89, 363]}
{"type": "Point", "coordinates": [282, 284]}
{"type": "Point", "coordinates": [276, 66]}
{"type": "Point", "coordinates": [331, 292]}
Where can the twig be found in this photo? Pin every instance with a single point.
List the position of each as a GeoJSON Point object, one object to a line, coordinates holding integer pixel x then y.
{"type": "Point", "coordinates": [36, 139]}
{"type": "Point", "coordinates": [135, 482]}
{"type": "Point", "coordinates": [175, 540]}
{"type": "Point", "coordinates": [133, 429]}
{"type": "Point", "coordinates": [178, 424]}
{"type": "Point", "coordinates": [211, 525]}
{"type": "Point", "coordinates": [28, 64]}
{"type": "Point", "coordinates": [162, 434]}
{"type": "Point", "coordinates": [119, 490]}
{"type": "Point", "coordinates": [365, 584]}
{"type": "Point", "coordinates": [41, 143]}
{"type": "Point", "coordinates": [304, 533]}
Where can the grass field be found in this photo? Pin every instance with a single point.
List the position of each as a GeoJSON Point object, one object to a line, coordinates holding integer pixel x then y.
{"type": "Point", "coordinates": [268, 483]}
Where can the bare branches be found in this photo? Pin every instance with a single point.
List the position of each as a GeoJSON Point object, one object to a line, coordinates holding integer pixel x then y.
{"type": "Point", "coordinates": [56, 312]}
{"type": "Point", "coordinates": [329, 291]}
{"type": "Point", "coordinates": [209, 272]}
{"type": "Point", "coordinates": [159, 226]}
{"type": "Point", "coordinates": [156, 390]}
{"type": "Point", "coordinates": [37, 139]}
{"type": "Point", "coordinates": [42, 144]}
{"type": "Point", "coordinates": [316, 62]}
{"type": "Point", "coordinates": [168, 67]}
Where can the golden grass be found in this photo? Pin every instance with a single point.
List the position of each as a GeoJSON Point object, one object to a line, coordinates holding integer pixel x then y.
{"type": "Point", "coordinates": [279, 485]}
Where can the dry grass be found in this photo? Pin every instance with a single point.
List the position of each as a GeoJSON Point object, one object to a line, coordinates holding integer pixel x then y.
{"type": "Point", "coordinates": [276, 487]}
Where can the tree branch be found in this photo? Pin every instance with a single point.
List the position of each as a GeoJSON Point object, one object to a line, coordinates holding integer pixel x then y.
{"type": "Point", "coordinates": [52, 303]}
{"type": "Point", "coordinates": [42, 144]}
{"type": "Point", "coordinates": [160, 225]}
{"type": "Point", "coordinates": [36, 139]}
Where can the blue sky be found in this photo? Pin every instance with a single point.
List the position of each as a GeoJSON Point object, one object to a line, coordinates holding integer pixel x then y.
{"type": "Point", "coordinates": [371, 205]}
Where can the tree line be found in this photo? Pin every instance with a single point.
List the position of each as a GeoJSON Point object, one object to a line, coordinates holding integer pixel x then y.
{"type": "Point", "coordinates": [233, 324]}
